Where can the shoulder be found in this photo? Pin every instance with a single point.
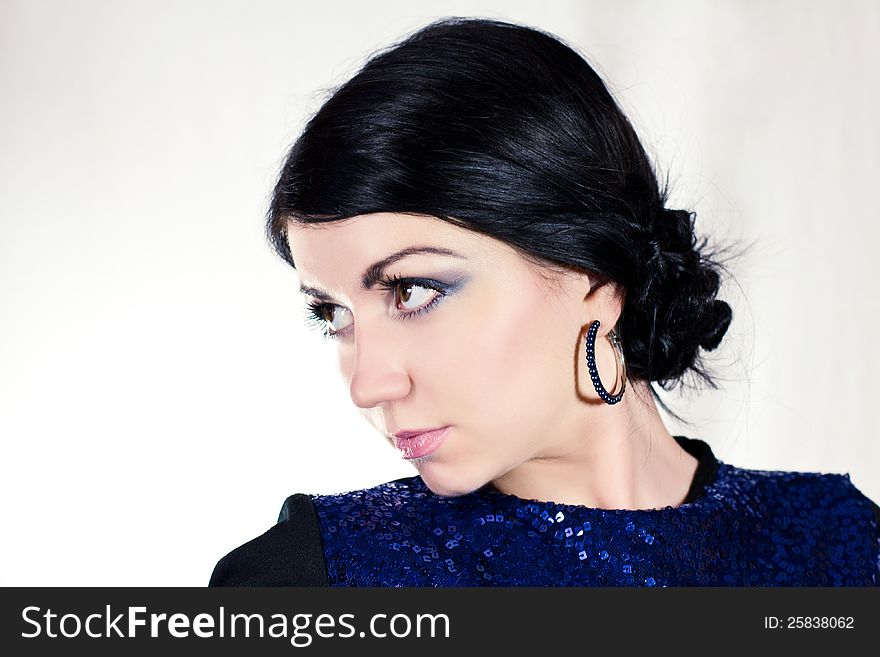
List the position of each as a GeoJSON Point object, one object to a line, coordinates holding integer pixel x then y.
{"type": "Point", "coordinates": [863, 499]}
{"type": "Point", "coordinates": [831, 492]}
{"type": "Point", "coordinates": [292, 553]}
{"type": "Point", "coordinates": [288, 554]}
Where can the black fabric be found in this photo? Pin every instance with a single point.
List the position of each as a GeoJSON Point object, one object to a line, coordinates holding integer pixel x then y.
{"type": "Point", "coordinates": [291, 553]}
{"type": "Point", "coordinates": [707, 466]}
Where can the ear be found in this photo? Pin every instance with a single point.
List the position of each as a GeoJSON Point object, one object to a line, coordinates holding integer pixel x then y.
{"type": "Point", "coordinates": [603, 301]}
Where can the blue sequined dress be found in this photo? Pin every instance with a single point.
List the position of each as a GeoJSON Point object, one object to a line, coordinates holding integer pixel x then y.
{"type": "Point", "coordinates": [737, 527]}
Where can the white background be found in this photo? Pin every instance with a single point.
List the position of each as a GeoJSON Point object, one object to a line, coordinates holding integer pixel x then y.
{"type": "Point", "coordinates": [160, 395]}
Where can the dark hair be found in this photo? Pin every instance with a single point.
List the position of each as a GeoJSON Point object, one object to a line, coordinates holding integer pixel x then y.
{"type": "Point", "coordinates": [506, 130]}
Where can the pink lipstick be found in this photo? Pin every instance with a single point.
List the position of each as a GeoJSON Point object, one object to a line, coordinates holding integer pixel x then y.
{"type": "Point", "coordinates": [413, 445]}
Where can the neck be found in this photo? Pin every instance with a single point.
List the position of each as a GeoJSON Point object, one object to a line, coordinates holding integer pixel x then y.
{"type": "Point", "coordinates": [607, 457]}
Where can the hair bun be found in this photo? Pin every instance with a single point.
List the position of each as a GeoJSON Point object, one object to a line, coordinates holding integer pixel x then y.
{"type": "Point", "coordinates": [676, 308]}
{"type": "Point", "coordinates": [671, 231]}
{"type": "Point", "coordinates": [717, 321]}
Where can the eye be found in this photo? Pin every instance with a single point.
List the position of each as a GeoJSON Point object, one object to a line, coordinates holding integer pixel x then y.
{"type": "Point", "coordinates": [407, 285]}
{"type": "Point", "coordinates": [407, 295]}
{"type": "Point", "coordinates": [322, 317]}
{"type": "Point", "coordinates": [415, 295]}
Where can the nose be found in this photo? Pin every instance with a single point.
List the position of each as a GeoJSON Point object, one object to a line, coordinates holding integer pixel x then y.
{"type": "Point", "coordinates": [378, 373]}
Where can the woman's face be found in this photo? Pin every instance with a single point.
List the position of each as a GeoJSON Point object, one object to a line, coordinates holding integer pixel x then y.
{"type": "Point", "coordinates": [475, 339]}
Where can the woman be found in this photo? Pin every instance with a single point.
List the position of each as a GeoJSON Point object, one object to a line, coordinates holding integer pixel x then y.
{"type": "Point", "coordinates": [476, 224]}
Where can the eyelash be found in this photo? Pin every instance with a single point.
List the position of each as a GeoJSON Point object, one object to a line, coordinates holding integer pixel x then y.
{"type": "Point", "coordinates": [316, 309]}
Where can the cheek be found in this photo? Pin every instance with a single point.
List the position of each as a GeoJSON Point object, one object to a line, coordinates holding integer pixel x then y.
{"type": "Point", "coordinates": [515, 358]}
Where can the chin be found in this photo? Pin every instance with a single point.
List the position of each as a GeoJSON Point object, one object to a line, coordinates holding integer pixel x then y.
{"type": "Point", "coordinates": [448, 484]}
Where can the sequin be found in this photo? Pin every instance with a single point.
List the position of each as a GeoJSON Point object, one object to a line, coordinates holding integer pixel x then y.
{"type": "Point", "coordinates": [749, 528]}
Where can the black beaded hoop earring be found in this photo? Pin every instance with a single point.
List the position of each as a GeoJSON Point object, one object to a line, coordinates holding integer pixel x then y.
{"type": "Point", "coordinates": [591, 363]}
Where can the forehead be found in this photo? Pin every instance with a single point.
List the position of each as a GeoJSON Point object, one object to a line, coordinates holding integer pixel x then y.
{"type": "Point", "coordinates": [371, 237]}
{"type": "Point", "coordinates": [337, 255]}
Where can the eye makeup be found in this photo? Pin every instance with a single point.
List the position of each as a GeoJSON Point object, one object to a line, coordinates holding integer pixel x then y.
{"type": "Point", "coordinates": [318, 311]}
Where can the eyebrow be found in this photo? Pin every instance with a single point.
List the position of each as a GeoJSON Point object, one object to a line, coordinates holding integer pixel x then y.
{"type": "Point", "coordinates": [373, 273]}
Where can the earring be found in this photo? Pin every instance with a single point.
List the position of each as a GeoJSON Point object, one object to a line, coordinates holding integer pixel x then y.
{"type": "Point", "coordinates": [591, 363]}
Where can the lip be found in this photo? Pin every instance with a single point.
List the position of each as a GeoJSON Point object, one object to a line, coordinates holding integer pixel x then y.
{"type": "Point", "coordinates": [413, 444]}
{"type": "Point", "coordinates": [410, 433]}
